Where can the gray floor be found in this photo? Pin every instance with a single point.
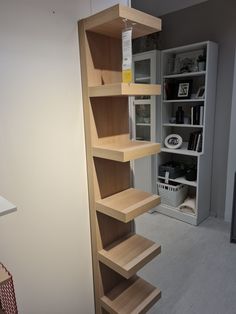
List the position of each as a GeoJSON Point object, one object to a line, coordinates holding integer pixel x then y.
{"type": "Point", "coordinates": [196, 270]}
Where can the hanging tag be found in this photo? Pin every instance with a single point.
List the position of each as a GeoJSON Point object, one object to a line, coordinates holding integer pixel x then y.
{"type": "Point", "coordinates": [127, 55]}
{"type": "Point", "coordinates": [167, 177]}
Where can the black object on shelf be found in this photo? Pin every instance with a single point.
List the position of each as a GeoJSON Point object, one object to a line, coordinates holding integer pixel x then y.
{"type": "Point", "coordinates": [233, 221]}
{"type": "Point", "coordinates": [195, 141]}
{"type": "Point", "coordinates": [191, 174]}
{"type": "Point", "coordinates": [179, 115]}
{"type": "Point", "coordinates": [174, 168]}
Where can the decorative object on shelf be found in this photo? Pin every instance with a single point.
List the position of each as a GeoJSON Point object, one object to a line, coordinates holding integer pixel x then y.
{"type": "Point", "coordinates": [191, 173]}
{"type": "Point", "coordinates": [172, 194]}
{"type": "Point", "coordinates": [187, 61]}
{"type": "Point", "coordinates": [173, 141]}
{"type": "Point", "coordinates": [201, 63]}
{"type": "Point", "coordinates": [188, 206]}
{"type": "Point", "coordinates": [173, 168]}
{"type": "Point", "coordinates": [184, 89]}
{"type": "Point", "coordinates": [201, 92]}
{"type": "Point", "coordinates": [197, 115]}
{"type": "Point", "coordinates": [195, 141]}
{"type": "Point", "coordinates": [172, 120]}
{"type": "Point", "coordinates": [179, 115]}
{"type": "Point", "coordinates": [7, 292]}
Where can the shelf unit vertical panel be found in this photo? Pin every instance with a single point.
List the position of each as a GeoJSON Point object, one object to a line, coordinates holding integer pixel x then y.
{"type": "Point", "coordinates": [205, 160]}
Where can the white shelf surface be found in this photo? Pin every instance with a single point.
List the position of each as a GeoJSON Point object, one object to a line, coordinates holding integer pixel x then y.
{"type": "Point", "coordinates": [187, 74]}
{"type": "Point", "coordinates": [6, 207]}
{"type": "Point", "coordinates": [181, 151]}
{"type": "Point", "coordinates": [183, 125]}
{"type": "Point", "coordinates": [144, 124]}
{"type": "Point", "coordinates": [184, 100]}
{"type": "Point", "coordinates": [176, 213]}
{"type": "Point", "coordinates": [143, 79]}
{"type": "Point", "coordinates": [181, 180]}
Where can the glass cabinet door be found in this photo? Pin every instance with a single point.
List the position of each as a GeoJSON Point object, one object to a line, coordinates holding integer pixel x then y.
{"type": "Point", "coordinates": [143, 122]}
{"type": "Point", "coordinates": [142, 74]}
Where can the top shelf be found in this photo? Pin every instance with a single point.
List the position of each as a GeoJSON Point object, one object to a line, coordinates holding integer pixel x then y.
{"type": "Point", "coordinates": [6, 207]}
{"type": "Point", "coordinates": [110, 22]}
{"type": "Point", "coordinates": [124, 89]}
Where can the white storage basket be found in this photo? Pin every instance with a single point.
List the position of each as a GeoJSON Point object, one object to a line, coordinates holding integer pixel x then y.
{"type": "Point", "coordinates": [172, 195]}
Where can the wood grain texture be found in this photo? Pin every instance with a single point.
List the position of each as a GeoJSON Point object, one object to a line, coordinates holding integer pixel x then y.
{"type": "Point", "coordinates": [127, 204]}
{"type": "Point", "coordinates": [126, 151]}
{"type": "Point", "coordinates": [133, 296]}
{"type": "Point", "coordinates": [129, 255]}
{"type": "Point", "coordinates": [110, 22]}
{"type": "Point", "coordinates": [124, 89]}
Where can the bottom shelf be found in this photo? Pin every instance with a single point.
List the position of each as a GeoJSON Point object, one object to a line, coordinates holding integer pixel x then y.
{"type": "Point", "coordinates": [131, 296]}
{"type": "Point", "coordinates": [176, 213]}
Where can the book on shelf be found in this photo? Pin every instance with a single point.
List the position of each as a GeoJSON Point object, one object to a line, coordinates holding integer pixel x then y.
{"type": "Point", "coordinates": [197, 115]}
{"type": "Point", "coordinates": [195, 141]}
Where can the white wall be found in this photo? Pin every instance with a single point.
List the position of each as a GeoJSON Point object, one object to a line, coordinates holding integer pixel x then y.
{"type": "Point", "coordinates": [232, 154]}
{"type": "Point", "coordinates": [46, 243]}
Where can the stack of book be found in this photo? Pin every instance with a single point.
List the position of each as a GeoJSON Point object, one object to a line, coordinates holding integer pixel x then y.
{"type": "Point", "coordinates": [197, 115]}
{"type": "Point", "coordinates": [195, 141]}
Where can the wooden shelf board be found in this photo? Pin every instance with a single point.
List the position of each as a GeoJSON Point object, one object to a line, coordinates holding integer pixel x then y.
{"type": "Point", "coordinates": [4, 276]}
{"type": "Point", "coordinates": [131, 296]}
{"type": "Point", "coordinates": [124, 89]}
{"type": "Point", "coordinates": [129, 255]}
{"type": "Point", "coordinates": [128, 204]}
{"type": "Point", "coordinates": [6, 207]}
{"type": "Point", "coordinates": [126, 151]}
{"type": "Point", "coordinates": [181, 180]}
{"type": "Point", "coordinates": [181, 151]}
{"type": "Point", "coordinates": [110, 22]}
{"type": "Point", "coordinates": [188, 74]}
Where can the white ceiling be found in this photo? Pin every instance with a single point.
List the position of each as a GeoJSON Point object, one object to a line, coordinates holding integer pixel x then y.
{"type": "Point", "coordinates": [162, 7]}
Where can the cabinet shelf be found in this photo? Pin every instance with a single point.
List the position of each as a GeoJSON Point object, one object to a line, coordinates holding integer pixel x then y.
{"type": "Point", "coordinates": [181, 151]}
{"type": "Point", "coordinates": [184, 100]}
{"type": "Point", "coordinates": [124, 89]}
{"type": "Point", "coordinates": [131, 296]}
{"type": "Point", "coordinates": [126, 151]}
{"type": "Point", "coordinates": [6, 207]}
{"type": "Point", "coordinates": [4, 276]}
{"type": "Point", "coordinates": [182, 125]}
{"type": "Point", "coordinates": [128, 204]}
{"type": "Point", "coordinates": [188, 74]}
{"type": "Point", "coordinates": [110, 22]}
{"type": "Point", "coordinates": [129, 255]}
{"type": "Point", "coordinates": [176, 213]}
{"type": "Point", "coordinates": [181, 180]}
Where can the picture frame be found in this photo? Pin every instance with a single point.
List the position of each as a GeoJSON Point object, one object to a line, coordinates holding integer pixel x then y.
{"type": "Point", "coordinates": [201, 92]}
{"type": "Point", "coordinates": [173, 141]}
{"type": "Point", "coordinates": [183, 89]}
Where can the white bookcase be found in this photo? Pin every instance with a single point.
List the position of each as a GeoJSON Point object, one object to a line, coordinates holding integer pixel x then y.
{"type": "Point", "coordinates": [143, 114]}
{"type": "Point", "coordinates": [170, 100]}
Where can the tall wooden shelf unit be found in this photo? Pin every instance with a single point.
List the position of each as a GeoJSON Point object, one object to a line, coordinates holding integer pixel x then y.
{"type": "Point", "coordinates": [118, 252]}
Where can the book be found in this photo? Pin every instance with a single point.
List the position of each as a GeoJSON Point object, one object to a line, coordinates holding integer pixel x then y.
{"type": "Point", "coordinates": [201, 115]}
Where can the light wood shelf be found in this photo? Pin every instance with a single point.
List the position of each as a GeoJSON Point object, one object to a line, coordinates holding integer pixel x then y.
{"type": "Point", "coordinates": [124, 89]}
{"type": "Point", "coordinates": [126, 151]}
{"type": "Point", "coordinates": [117, 252]}
{"type": "Point", "coordinates": [130, 255]}
{"type": "Point", "coordinates": [127, 204]}
{"type": "Point", "coordinates": [4, 276]}
{"type": "Point", "coordinates": [110, 22]}
{"type": "Point", "coordinates": [131, 296]}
